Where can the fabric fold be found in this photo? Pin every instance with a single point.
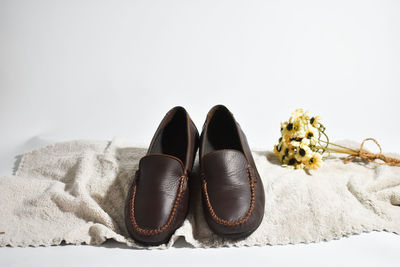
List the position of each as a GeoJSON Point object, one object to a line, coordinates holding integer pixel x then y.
{"type": "Point", "coordinates": [75, 192]}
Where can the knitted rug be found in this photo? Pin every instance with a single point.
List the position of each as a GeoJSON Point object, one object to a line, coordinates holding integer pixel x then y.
{"type": "Point", "coordinates": [75, 192]}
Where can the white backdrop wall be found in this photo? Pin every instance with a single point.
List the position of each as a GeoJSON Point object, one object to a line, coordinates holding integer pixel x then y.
{"type": "Point", "coordinates": [99, 69]}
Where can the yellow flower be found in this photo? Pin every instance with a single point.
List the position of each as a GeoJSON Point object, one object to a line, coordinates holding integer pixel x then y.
{"type": "Point", "coordinates": [303, 153]}
{"type": "Point", "coordinates": [299, 135]}
{"type": "Point", "coordinates": [300, 115]}
{"type": "Point", "coordinates": [306, 116]}
{"type": "Point", "coordinates": [284, 131]}
{"type": "Point", "coordinates": [276, 151]}
{"type": "Point", "coordinates": [297, 125]}
{"type": "Point", "coordinates": [309, 134]}
{"type": "Point", "coordinates": [305, 141]}
{"type": "Point", "coordinates": [299, 166]}
{"type": "Point", "coordinates": [291, 130]}
{"type": "Point", "coordinates": [295, 143]}
{"type": "Point", "coordinates": [281, 149]}
{"type": "Point", "coordinates": [314, 161]}
{"type": "Point", "coordinates": [298, 139]}
{"type": "Point", "coordinates": [312, 134]}
{"type": "Point", "coordinates": [314, 120]}
{"type": "Point", "coordinates": [286, 153]}
{"type": "Point", "coordinates": [291, 161]}
{"type": "Point", "coordinates": [297, 113]}
{"type": "Point", "coordinates": [283, 125]}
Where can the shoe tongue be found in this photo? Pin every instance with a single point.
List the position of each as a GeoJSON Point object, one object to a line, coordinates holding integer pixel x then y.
{"type": "Point", "coordinates": [226, 162]}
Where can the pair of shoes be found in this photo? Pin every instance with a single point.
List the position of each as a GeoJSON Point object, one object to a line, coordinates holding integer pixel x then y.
{"type": "Point", "coordinates": [232, 190]}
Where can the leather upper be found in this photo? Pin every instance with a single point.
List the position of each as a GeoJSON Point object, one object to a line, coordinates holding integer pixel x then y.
{"type": "Point", "coordinates": [157, 185]}
{"type": "Point", "coordinates": [227, 183]}
{"type": "Point", "coordinates": [157, 202]}
{"type": "Point", "coordinates": [232, 191]}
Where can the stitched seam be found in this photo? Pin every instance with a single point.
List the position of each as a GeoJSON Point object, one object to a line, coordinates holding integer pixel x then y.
{"type": "Point", "coordinates": [171, 216]}
{"type": "Point", "coordinates": [228, 222]}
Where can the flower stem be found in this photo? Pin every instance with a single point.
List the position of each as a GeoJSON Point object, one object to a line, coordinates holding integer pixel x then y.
{"type": "Point", "coordinates": [335, 150]}
{"type": "Point", "coordinates": [338, 145]}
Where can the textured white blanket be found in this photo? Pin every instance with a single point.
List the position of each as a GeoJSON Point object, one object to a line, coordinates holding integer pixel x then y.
{"type": "Point", "coordinates": [75, 192]}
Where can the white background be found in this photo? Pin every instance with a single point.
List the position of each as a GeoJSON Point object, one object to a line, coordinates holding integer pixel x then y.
{"type": "Point", "coordinates": [100, 69]}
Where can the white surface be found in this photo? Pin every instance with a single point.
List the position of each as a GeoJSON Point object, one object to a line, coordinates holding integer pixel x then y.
{"type": "Point", "coordinates": [98, 69]}
{"type": "Point", "coordinates": [374, 249]}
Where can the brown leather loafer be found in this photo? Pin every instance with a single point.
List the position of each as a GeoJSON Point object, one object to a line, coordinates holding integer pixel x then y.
{"type": "Point", "coordinates": [232, 191]}
{"type": "Point", "coordinates": [157, 201]}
